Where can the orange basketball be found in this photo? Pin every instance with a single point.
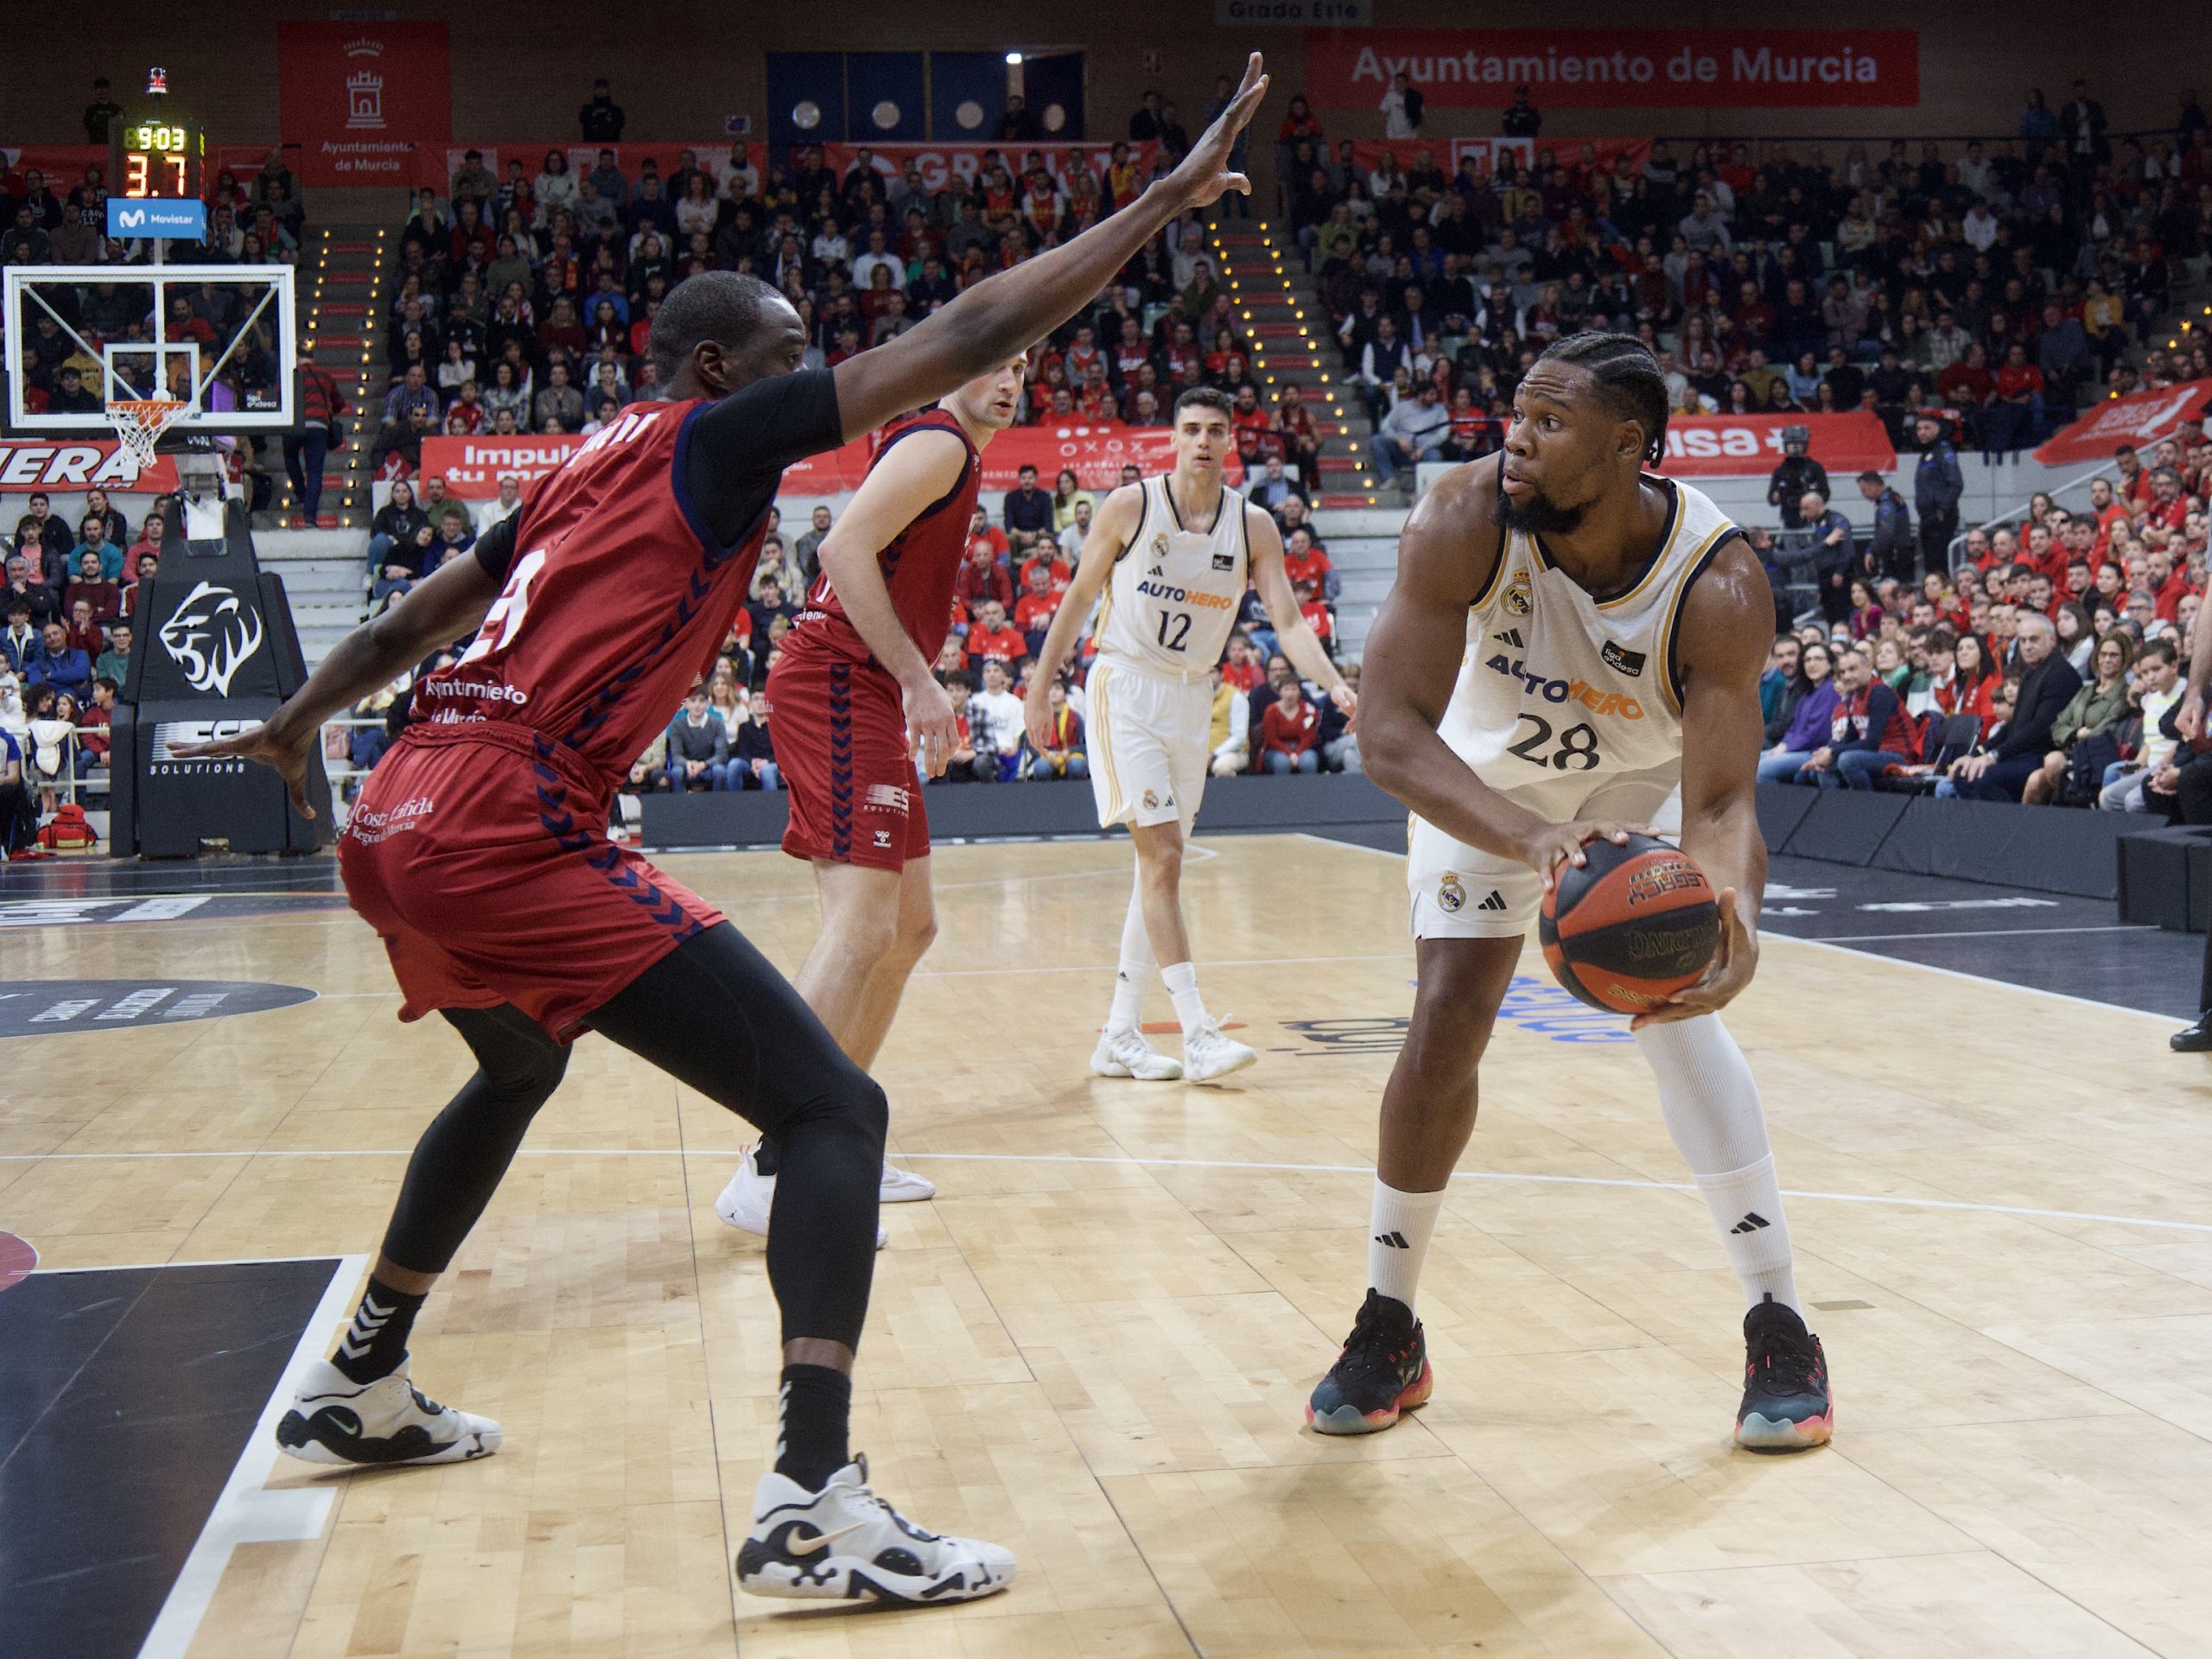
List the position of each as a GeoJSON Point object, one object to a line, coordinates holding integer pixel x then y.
{"type": "Point", "coordinates": [1631, 926]}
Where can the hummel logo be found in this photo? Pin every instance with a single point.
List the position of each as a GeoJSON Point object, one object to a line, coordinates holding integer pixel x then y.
{"type": "Point", "coordinates": [1496, 901]}
{"type": "Point", "coordinates": [370, 1320]}
{"type": "Point", "coordinates": [821, 1541]}
{"type": "Point", "coordinates": [1510, 637]}
{"type": "Point", "coordinates": [1751, 1223]}
{"type": "Point", "coordinates": [1395, 1241]}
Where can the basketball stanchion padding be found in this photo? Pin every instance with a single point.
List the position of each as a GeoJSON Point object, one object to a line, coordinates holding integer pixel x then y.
{"type": "Point", "coordinates": [1631, 926]}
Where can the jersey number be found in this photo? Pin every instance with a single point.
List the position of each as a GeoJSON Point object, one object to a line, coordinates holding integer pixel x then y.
{"type": "Point", "coordinates": [504, 621]}
{"type": "Point", "coordinates": [1182, 621]}
{"type": "Point", "coordinates": [1577, 750]}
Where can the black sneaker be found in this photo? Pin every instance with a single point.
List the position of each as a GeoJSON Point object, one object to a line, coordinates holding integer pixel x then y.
{"type": "Point", "coordinates": [1383, 1371]}
{"type": "Point", "coordinates": [2194, 1039]}
{"type": "Point", "coordinates": [1786, 1403]}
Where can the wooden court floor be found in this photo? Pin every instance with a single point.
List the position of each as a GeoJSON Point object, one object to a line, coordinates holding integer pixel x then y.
{"type": "Point", "coordinates": [1095, 1344]}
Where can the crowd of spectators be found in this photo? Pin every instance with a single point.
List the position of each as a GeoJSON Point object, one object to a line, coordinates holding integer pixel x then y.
{"type": "Point", "coordinates": [1998, 283]}
{"type": "Point", "coordinates": [65, 633]}
{"type": "Point", "coordinates": [2047, 667]}
{"type": "Point", "coordinates": [522, 302]}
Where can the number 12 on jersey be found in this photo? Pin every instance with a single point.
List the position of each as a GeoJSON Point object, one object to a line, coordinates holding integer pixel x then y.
{"type": "Point", "coordinates": [1174, 629]}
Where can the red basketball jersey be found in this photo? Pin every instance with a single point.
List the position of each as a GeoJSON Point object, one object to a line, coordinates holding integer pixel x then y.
{"type": "Point", "coordinates": [919, 567]}
{"type": "Point", "coordinates": [616, 601]}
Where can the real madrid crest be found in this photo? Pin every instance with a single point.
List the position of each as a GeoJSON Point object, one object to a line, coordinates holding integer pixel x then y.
{"type": "Point", "coordinates": [1518, 600]}
{"type": "Point", "coordinates": [1151, 801]}
{"type": "Point", "coordinates": [1159, 545]}
{"type": "Point", "coordinates": [1450, 895]}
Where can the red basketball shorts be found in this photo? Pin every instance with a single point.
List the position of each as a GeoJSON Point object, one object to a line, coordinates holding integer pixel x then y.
{"type": "Point", "coordinates": [479, 854]}
{"type": "Point", "coordinates": [841, 745]}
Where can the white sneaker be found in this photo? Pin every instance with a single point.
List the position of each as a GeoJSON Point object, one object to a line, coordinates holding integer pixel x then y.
{"type": "Point", "coordinates": [845, 1543]}
{"type": "Point", "coordinates": [1123, 1053]}
{"type": "Point", "coordinates": [744, 1202]}
{"type": "Point", "coordinates": [1208, 1054]}
{"type": "Point", "coordinates": [903, 1186]}
{"type": "Point", "coordinates": [336, 1420]}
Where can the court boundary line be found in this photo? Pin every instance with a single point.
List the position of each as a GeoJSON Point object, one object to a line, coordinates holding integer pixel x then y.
{"type": "Point", "coordinates": [1501, 1177]}
{"type": "Point", "coordinates": [247, 1511]}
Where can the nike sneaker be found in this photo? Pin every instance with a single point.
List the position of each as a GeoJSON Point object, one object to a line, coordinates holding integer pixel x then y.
{"type": "Point", "coordinates": [1787, 1406]}
{"type": "Point", "coordinates": [1123, 1053]}
{"type": "Point", "coordinates": [1208, 1054]}
{"type": "Point", "coordinates": [1383, 1370]}
{"type": "Point", "coordinates": [744, 1202]}
{"type": "Point", "coordinates": [336, 1420]}
{"type": "Point", "coordinates": [844, 1543]}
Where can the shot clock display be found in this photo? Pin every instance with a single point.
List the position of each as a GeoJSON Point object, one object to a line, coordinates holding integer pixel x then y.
{"type": "Point", "coordinates": [158, 156]}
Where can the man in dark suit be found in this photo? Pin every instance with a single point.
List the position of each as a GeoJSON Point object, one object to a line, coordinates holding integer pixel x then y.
{"type": "Point", "coordinates": [2048, 682]}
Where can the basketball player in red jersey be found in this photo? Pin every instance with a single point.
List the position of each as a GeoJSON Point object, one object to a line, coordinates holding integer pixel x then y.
{"type": "Point", "coordinates": [853, 681]}
{"type": "Point", "coordinates": [478, 851]}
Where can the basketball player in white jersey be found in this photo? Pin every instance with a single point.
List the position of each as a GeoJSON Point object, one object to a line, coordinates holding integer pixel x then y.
{"type": "Point", "coordinates": [1570, 637]}
{"type": "Point", "coordinates": [1171, 554]}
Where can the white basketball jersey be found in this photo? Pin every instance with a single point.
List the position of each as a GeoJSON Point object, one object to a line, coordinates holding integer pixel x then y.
{"type": "Point", "coordinates": [1560, 692]}
{"type": "Point", "coordinates": [1173, 597]}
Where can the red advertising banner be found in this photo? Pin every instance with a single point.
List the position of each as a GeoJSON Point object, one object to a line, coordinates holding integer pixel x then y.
{"type": "Point", "coordinates": [474, 467]}
{"type": "Point", "coordinates": [1490, 154]}
{"type": "Point", "coordinates": [2142, 417]}
{"type": "Point", "coordinates": [1617, 68]}
{"type": "Point", "coordinates": [57, 464]}
{"type": "Point", "coordinates": [1096, 450]}
{"type": "Point", "coordinates": [64, 165]}
{"type": "Point", "coordinates": [940, 164]}
{"type": "Point", "coordinates": [1749, 446]}
{"type": "Point", "coordinates": [362, 100]}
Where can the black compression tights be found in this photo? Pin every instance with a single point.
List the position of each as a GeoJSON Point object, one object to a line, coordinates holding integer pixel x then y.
{"type": "Point", "coordinates": [716, 1015]}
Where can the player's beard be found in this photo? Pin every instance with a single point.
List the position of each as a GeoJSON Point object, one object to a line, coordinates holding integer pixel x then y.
{"type": "Point", "coordinates": [1537, 514]}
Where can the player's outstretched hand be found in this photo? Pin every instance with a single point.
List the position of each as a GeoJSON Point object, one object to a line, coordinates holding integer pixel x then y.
{"type": "Point", "coordinates": [1205, 175]}
{"type": "Point", "coordinates": [932, 722]}
{"type": "Point", "coordinates": [1347, 701]}
{"type": "Point", "coordinates": [1733, 964]}
{"type": "Point", "coordinates": [269, 744]}
{"type": "Point", "coordinates": [1037, 713]}
{"type": "Point", "coordinates": [2189, 719]}
{"type": "Point", "coordinates": [1557, 844]}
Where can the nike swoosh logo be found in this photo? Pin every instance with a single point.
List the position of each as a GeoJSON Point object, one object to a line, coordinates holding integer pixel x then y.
{"type": "Point", "coordinates": [821, 1541]}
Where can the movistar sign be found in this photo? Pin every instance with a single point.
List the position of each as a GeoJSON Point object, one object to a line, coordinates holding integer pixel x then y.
{"type": "Point", "coordinates": [129, 216]}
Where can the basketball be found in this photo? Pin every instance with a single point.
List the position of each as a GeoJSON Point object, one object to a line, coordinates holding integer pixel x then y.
{"type": "Point", "coordinates": [1631, 926]}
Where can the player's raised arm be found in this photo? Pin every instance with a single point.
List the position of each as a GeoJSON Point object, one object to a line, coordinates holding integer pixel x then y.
{"type": "Point", "coordinates": [446, 607]}
{"type": "Point", "coordinates": [1012, 311]}
{"type": "Point", "coordinates": [1451, 546]}
{"type": "Point", "coordinates": [1111, 527]}
{"type": "Point", "coordinates": [1291, 633]}
{"type": "Point", "coordinates": [1726, 635]}
{"type": "Point", "coordinates": [918, 470]}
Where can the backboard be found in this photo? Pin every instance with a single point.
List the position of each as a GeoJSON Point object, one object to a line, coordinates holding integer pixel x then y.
{"type": "Point", "coordinates": [222, 338]}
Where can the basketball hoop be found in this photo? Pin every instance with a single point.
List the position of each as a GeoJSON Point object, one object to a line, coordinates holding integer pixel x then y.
{"type": "Point", "coordinates": [140, 422]}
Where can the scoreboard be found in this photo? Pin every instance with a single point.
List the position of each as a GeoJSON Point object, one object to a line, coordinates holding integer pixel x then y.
{"type": "Point", "coordinates": [156, 154]}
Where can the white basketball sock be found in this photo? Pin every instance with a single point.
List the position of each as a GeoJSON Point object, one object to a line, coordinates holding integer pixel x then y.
{"type": "Point", "coordinates": [1398, 1229]}
{"type": "Point", "coordinates": [1711, 1108]}
{"type": "Point", "coordinates": [1134, 976]}
{"type": "Point", "coordinates": [1182, 981]}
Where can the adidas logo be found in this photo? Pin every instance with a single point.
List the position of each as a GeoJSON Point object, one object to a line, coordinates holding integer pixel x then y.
{"type": "Point", "coordinates": [1751, 1223]}
{"type": "Point", "coordinates": [1496, 901]}
{"type": "Point", "coordinates": [1393, 1241]}
{"type": "Point", "coordinates": [1510, 637]}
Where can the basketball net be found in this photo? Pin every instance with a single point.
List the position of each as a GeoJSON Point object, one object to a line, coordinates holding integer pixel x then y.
{"type": "Point", "coordinates": [139, 423]}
